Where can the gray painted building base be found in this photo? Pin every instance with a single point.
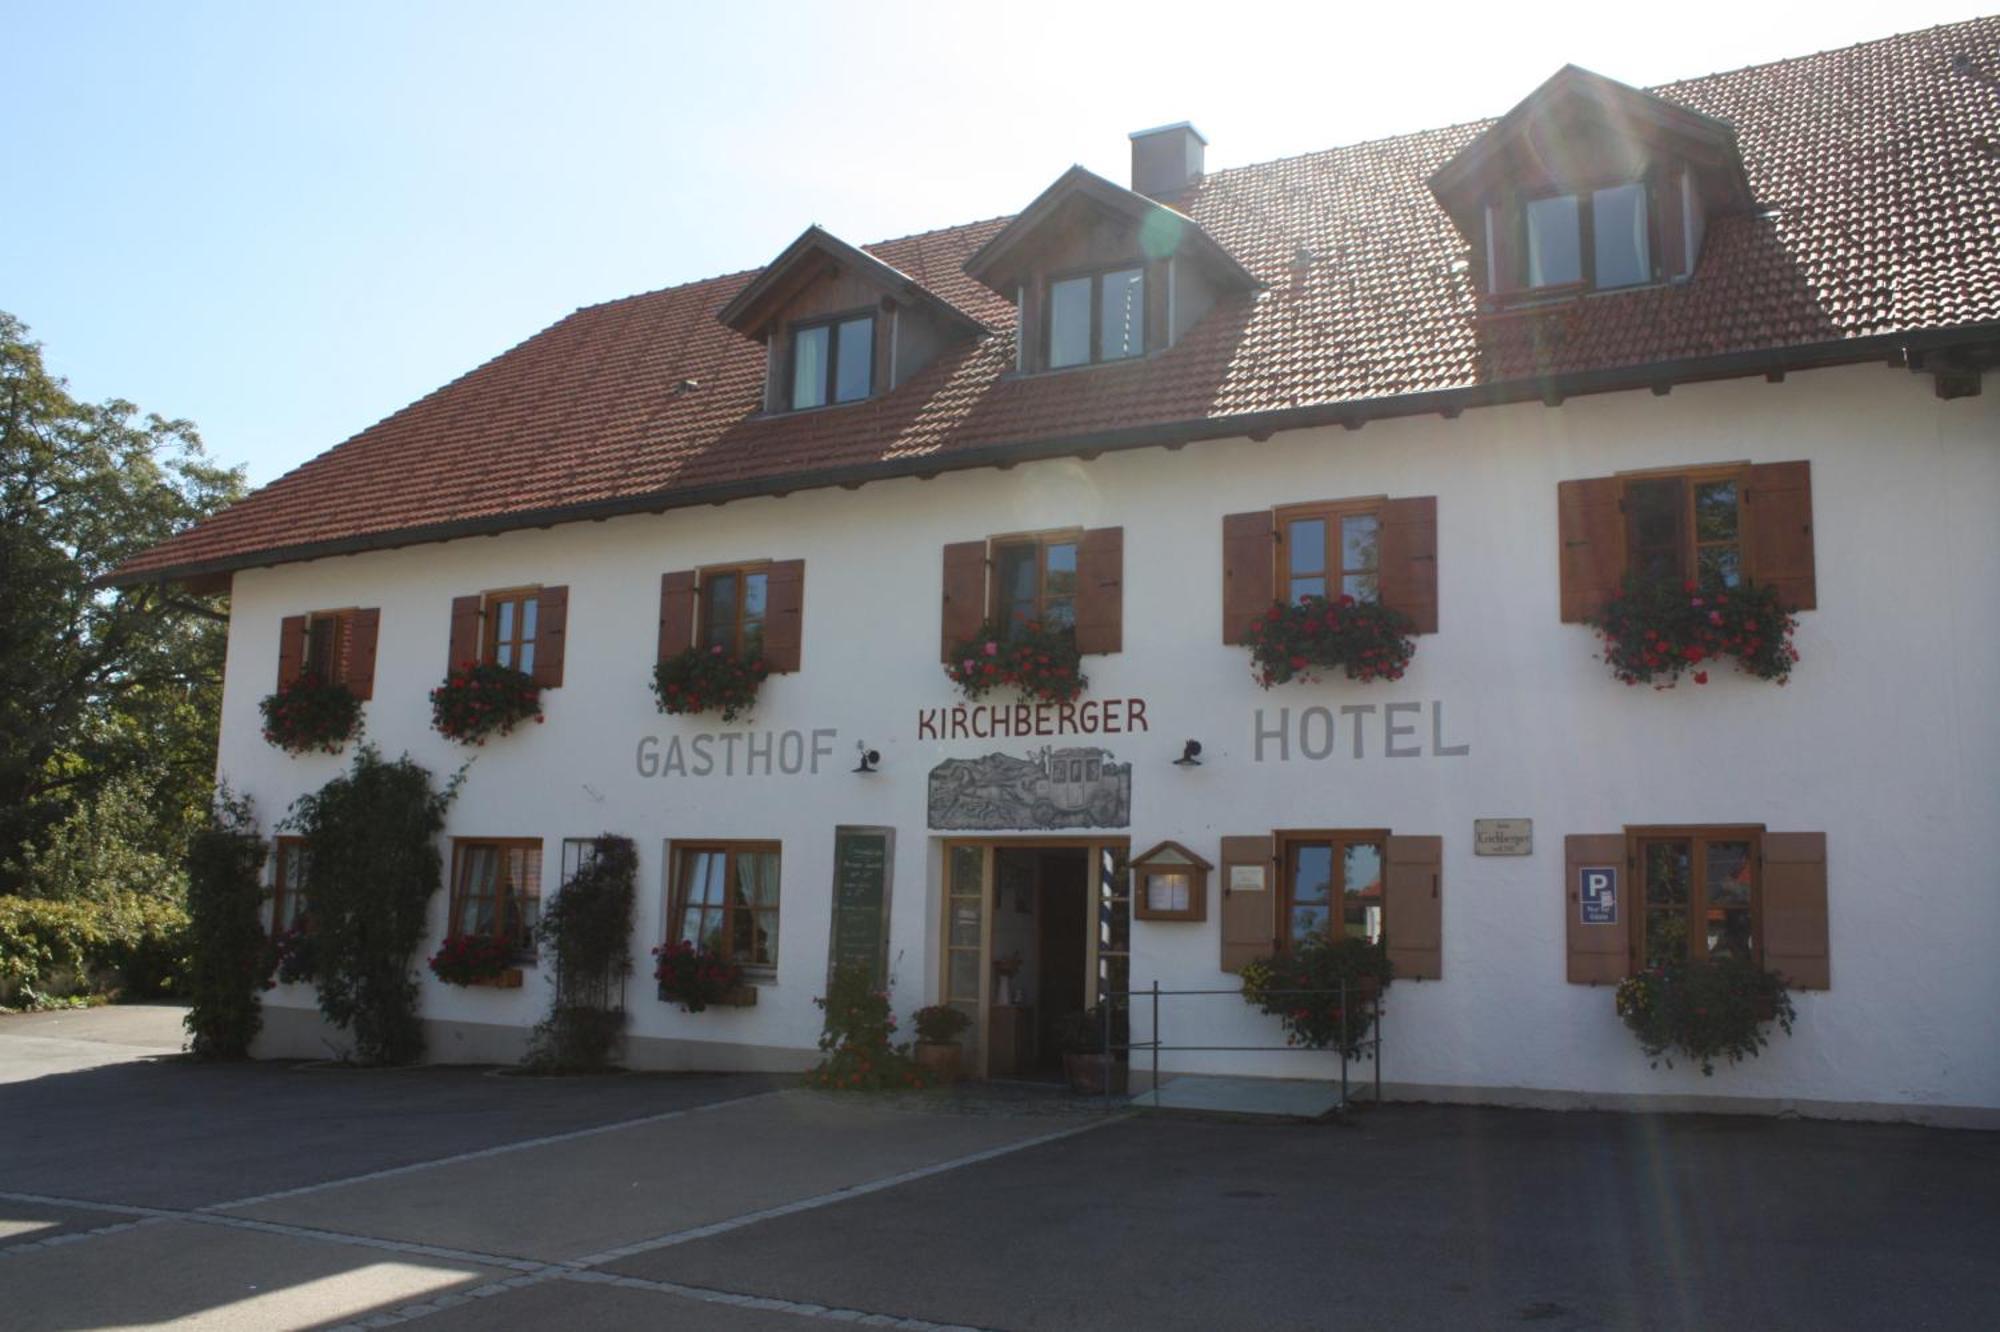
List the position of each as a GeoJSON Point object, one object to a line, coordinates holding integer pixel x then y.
{"type": "Point", "coordinates": [301, 1033]}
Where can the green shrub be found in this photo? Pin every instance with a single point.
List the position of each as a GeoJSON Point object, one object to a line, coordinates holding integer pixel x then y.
{"type": "Point", "coordinates": [230, 957]}
{"type": "Point", "coordinates": [125, 944]}
{"type": "Point", "coordinates": [1323, 990]}
{"type": "Point", "coordinates": [374, 867]}
{"type": "Point", "coordinates": [855, 1041]}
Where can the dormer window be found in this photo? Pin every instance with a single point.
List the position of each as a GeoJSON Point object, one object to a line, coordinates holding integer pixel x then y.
{"type": "Point", "coordinates": [833, 360]}
{"type": "Point", "coordinates": [1600, 240]}
{"type": "Point", "coordinates": [1097, 317]}
{"type": "Point", "coordinates": [1589, 185]}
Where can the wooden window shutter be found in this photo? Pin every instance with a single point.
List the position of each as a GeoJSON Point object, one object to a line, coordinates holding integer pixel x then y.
{"type": "Point", "coordinates": [677, 594]}
{"type": "Point", "coordinates": [1413, 919]}
{"type": "Point", "coordinates": [1781, 537]}
{"type": "Point", "coordinates": [964, 594]}
{"type": "Point", "coordinates": [1249, 571]}
{"type": "Point", "coordinates": [1100, 590]}
{"type": "Point", "coordinates": [464, 631]}
{"type": "Point", "coordinates": [291, 648]}
{"type": "Point", "coordinates": [1249, 919]}
{"type": "Point", "coordinates": [1794, 888]}
{"type": "Point", "coordinates": [551, 635]}
{"type": "Point", "coordinates": [784, 613]}
{"type": "Point", "coordinates": [1591, 545]}
{"type": "Point", "coordinates": [1598, 954]}
{"type": "Point", "coordinates": [1409, 560]}
{"type": "Point", "coordinates": [357, 668]}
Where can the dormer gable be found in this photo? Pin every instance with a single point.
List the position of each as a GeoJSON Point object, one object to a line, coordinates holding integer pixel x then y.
{"type": "Point", "coordinates": [1100, 273]}
{"type": "Point", "coordinates": [839, 325]}
{"type": "Point", "coordinates": [1589, 185]}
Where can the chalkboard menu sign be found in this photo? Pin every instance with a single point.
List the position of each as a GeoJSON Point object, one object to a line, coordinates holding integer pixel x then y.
{"type": "Point", "coordinates": [860, 935]}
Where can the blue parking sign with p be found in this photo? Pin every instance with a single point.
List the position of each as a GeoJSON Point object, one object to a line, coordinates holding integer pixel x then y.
{"type": "Point", "coordinates": [1598, 894]}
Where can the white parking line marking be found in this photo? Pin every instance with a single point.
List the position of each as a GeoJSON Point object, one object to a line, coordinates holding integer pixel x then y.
{"type": "Point", "coordinates": [837, 1195]}
{"type": "Point", "coordinates": [484, 1153]}
{"type": "Point", "coordinates": [531, 1272]}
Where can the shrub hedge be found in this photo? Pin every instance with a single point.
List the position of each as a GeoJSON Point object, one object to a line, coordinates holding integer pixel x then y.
{"type": "Point", "coordinates": [126, 944]}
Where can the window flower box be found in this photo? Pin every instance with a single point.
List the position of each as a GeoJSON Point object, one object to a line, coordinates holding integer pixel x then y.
{"type": "Point", "coordinates": [709, 679]}
{"type": "Point", "coordinates": [1364, 640]}
{"type": "Point", "coordinates": [698, 977]}
{"type": "Point", "coordinates": [475, 959]}
{"type": "Point", "coordinates": [479, 700]}
{"type": "Point", "coordinates": [308, 713]}
{"type": "Point", "coordinates": [1705, 1009]}
{"type": "Point", "coordinates": [1042, 663]}
{"type": "Point", "coordinates": [1656, 630]}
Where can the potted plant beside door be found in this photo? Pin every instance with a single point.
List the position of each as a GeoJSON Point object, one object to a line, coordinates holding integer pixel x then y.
{"type": "Point", "coordinates": [1080, 1037]}
{"type": "Point", "coordinates": [938, 1052]}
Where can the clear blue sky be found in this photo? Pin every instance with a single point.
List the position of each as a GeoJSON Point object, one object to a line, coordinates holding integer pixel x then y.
{"type": "Point", "coordinates": [287, 220]}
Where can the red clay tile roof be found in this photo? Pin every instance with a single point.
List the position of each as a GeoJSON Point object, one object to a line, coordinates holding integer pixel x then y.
{"type": "Point", "coordinates": [1882, 217]}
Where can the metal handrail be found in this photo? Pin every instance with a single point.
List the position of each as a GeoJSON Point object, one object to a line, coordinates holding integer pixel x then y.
{"type": "Point", "coordinates": [1373, 1042]}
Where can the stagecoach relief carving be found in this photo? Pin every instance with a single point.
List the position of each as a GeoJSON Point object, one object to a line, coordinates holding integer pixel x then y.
{"type": "Point", "coordinates": [1070, 787]}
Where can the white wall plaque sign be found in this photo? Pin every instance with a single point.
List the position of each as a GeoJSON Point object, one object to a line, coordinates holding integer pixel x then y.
{"type": "Point", "coordinates": [1503, 837]}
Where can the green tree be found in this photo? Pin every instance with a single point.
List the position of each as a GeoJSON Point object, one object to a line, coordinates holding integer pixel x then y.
{"type": "Point", "coordinates": [98, 686]}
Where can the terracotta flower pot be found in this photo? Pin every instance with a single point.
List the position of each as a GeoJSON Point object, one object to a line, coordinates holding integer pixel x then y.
{"type": "Point", "coordinates": [941, 1059]}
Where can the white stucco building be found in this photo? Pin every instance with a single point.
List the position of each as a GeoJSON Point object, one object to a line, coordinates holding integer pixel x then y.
{"type": "Point", "coordinates": [1474, 357]}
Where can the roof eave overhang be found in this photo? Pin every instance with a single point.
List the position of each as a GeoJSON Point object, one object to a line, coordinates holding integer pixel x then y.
{"type": "Point", "coordinates": [1657, 376]}
{"type": "Point", "coordinates": [1464, 173]}
{"type": "Point", "coordinates": [990, 266]}
{"type": "Point", "coordinates": [753, 308]}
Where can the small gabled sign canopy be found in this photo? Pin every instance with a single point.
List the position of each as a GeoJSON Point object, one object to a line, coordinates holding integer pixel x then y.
{"type": "Point", "coordinates": [814, 254]}
{"type": "Point", "coordinates": [1163, 232]}
{"type": "Point", "coordinates": [1579, 127]}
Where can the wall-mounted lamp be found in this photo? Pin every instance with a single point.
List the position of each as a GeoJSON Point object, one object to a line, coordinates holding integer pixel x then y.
{"type": "Point", "coordinates": [869, 757]}
{"type": "Point", "coordinates": [1190, 755]}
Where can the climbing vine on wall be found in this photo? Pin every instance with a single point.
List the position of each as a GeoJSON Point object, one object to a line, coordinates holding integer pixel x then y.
{"type": "Point", "coordinates": [588, 933]}
{"type": "Point", "coordinates": [374, 865]}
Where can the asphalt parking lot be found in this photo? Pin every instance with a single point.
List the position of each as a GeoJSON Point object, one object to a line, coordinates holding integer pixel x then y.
{"type": "Point", "coordinates": [136, 1188]}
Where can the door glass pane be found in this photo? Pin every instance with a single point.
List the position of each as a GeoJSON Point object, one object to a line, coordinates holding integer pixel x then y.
{"type": "Point", "coordinates": [854, 368]}
{"type": "Point", "coordinates": [1618, 235]}
{"type": "Point", "coordinates": [1361, 892]}
{"type": "Point", "coordinates": [1069, 322]}
{"type": "Point", "coordinates": [1059, 587]}
{"type": "Point", "coordinates": [1555, 248]}
{"type": "Point", "coordinates": [1122, 318]}
{"type": "Point", "coordinates": [809, 352]}
{"type": "Point", "coordinates": [963, 979]}
{"type": "Point", "coordinates": [1305, 546]}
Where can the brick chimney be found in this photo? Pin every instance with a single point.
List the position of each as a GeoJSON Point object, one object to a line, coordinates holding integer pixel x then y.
{"type": "Point", "coordinates": [1166, 160]}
